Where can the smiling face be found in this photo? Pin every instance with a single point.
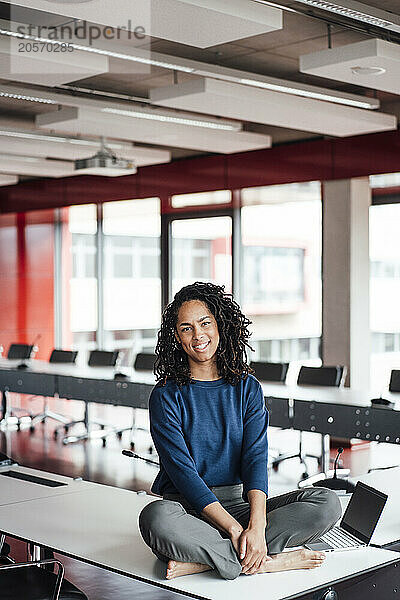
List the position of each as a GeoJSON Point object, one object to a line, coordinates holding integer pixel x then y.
{"type": "Point", "coordinates": [197, 332]}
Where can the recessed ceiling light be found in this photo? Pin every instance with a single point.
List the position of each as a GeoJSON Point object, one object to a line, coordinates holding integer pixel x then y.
{"type": "Point", "coordinates": [54, 138]}
{"type": "Point", "coordinates": [27, 98]}
{"type": "Point", "coordinates": [309, 94]}
{"type": "Point", "coordinates": [368, 70]}
{"type": "Point", "coordinates": [91, 49]}
{"type": "Point", "coordinates": [346, 11]}
{"type": "Point", "coordinates": [224, 126]}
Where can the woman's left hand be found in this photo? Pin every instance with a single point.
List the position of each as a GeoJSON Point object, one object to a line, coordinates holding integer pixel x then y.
{"type": "Point", "coordinates": [253, 550]}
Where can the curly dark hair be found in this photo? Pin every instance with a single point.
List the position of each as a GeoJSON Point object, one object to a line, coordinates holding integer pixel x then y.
{"type": "Point", "coordinates": [172, 361]}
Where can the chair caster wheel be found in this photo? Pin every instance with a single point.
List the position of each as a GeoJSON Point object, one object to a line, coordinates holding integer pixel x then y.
{"type": "Point", "coordinates": [66, 428]}
{"type": "Point", "coordinates": [103, 442]}
{"type": "Point", "coordinates": [132, 444]}
{"type": "Point", "coordinates": [275, 468]}
{"type": "Point", "coordinates": [119, 435]}
{"type": "Point", "coordinates": [102, 427]}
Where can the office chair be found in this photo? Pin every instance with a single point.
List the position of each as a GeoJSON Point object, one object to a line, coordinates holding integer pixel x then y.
{"type": "Point", "coordinates": [103, 358]}
{"type": "Point", "coordinates": [61, 357]}
{"type": "Point", "coordinates": [23, 581]}
{"type": "Point", "coordinates": [20, 352]}
{"type": "Point", "coordinates": [270, 371]}
{"type": "Point", "coordinates": [322, 376]}
{"type": "Point", "coordinates": [97, 358]}
{"type": "Point", "coordinates": [144, 361]}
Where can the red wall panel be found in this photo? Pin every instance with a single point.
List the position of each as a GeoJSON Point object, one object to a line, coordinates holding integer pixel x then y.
{"type": "Point", "coordinates": [26, 275]}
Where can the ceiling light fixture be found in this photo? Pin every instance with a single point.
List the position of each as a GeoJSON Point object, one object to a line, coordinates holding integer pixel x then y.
{"type": "Point", "coordinates": [204, 72]}
{"type": "Point", "coordinates": [351, 13]}
{"type": "Point", "coordinates": [310, 94]}
{"type": "Point", "coordinates": [178, 120]}
{"type": "Point", "coordinates": [27, 98]}
{"type": "Point", "coordinates": [54, 138]}
{"type": "Point", "coordinates": [368, 70]}
{"type": "Point", "coordinates": [123, 56]}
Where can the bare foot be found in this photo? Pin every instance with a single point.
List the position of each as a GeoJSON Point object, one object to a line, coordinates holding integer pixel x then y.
{"type": "Point", "coordinates": [177, 569]}
{"type": "Point", "coordinates": [295, 559]}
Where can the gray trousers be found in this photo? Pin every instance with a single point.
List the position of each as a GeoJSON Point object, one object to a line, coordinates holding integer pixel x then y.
{"type": "Point", "coordinates": [174, 531]}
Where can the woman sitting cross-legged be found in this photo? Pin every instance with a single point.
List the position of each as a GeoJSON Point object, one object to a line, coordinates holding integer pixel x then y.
{"type": "Point", "coordinates": [209, 426]}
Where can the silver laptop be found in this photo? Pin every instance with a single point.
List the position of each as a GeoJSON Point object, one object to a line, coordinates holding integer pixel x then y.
{"type": "Point", "coordinates": [358, 522]}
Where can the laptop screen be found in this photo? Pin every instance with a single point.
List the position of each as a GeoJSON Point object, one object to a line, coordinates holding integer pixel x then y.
{"type": "Point", "coordinates": [363, 512]}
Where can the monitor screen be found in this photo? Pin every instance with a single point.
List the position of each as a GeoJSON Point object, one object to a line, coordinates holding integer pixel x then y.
{"type": "Point", "coordinates": [363, 511]}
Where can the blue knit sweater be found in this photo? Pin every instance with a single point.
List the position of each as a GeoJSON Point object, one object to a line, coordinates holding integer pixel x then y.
{"type": "Point", "coordinates": [209, 433]}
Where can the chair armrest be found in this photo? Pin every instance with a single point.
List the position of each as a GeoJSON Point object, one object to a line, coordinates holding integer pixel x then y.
{"type": "Point", "coordinates": [38, 563]}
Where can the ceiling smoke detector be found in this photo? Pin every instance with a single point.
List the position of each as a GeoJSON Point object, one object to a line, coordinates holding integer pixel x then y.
{"type": "Point", "coordinates": [105, 163]}
{"type": "Point", "coordinates": [368, 70]}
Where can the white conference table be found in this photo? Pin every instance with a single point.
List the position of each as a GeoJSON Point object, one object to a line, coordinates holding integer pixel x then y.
{"type": "Point", "coordinates": [35, 485]}
{"type": "Point", "coordinates": [98, 524]}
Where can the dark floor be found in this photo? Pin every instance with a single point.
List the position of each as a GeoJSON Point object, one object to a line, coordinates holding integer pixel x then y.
{"type": "Point", "coordinates": [108, 466]}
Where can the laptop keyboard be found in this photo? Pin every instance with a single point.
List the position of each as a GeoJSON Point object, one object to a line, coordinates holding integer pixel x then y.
{"type": "Point", "coordinates": [338, 538]}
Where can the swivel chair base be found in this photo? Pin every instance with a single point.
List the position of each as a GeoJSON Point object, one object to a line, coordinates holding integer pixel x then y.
{"type": "Point", "coordinates": [89, 433]}
{"type": "Point", "coordinates": [132, 430]}
{"type": "Point", "coordinates": [47, 414]}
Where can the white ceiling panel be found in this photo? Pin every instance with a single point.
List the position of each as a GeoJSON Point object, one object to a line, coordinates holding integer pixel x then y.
{"type": "Point", "coordinates": [242, 102]}
{"type": "Point", "coordinates": [373, 63]}
{"type": "Point", "coordinates": [8, 180]}
{"type": "Point", "coordinates": [35, 167]}
{"type": "Point", "coordinates": [200, 23]}
{"type": "Point", "coordinates": [94, 122]}
{"type": "Point", "coordinates": [42, 64]}
{"type": "Point", "coordinates": [75, 149]}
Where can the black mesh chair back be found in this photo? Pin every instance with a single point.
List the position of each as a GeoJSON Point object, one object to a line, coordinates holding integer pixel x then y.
{"type": "Point", "coordinates": [21, 351]}
{"type": "Point", "coordinates": [394, 385]}
{"type": "Point", "coordinates": [63, 356]}
{"type": "Point", "coordinates": [103, 358]}
{"type": "Point", "coordinates": [326, 376]}
{"type": "Point", "coordinates": [144, 361]}
{"type": "Point", "coordinates": [270, 371]}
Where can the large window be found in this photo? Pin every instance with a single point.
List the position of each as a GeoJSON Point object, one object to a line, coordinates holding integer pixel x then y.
{"type": "Point", "coordinates": [384, 292]}
{"type": "Point", "coordinates": [129, 294]}
{"type": "Point", "coordinates": [202, 251]}
{"type": "Point", "coordinates": [132, 285]}
{"type": "Point", "coordinates": [281, 270]}
{"type": "Point", "coordinates": [79, 279]}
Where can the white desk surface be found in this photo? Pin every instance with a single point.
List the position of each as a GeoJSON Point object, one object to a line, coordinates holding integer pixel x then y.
{"type": "Point", "coordinates": [99, 525]}
{"type": "Point", "coordinates": [17, 490]}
